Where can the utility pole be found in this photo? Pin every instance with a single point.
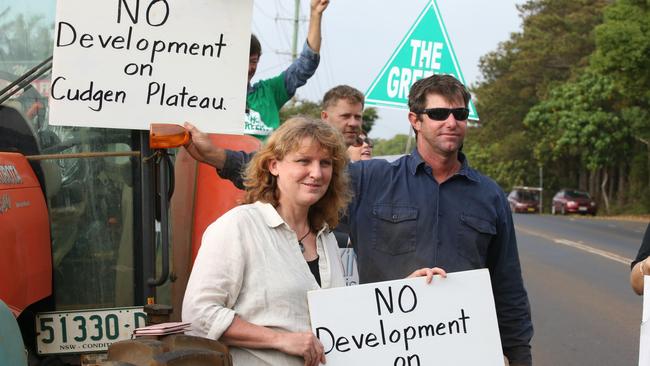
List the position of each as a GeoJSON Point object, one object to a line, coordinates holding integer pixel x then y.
{"type": "Point", "coordinates": [296, 23]}
{"type": "Point", "coordinates": [296, 28]}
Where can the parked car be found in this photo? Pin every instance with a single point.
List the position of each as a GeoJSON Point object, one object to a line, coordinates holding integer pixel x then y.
{"type": "Point", "coordinates": [573, 201]}
{"type": "Point", "coordinates": [524, 199]}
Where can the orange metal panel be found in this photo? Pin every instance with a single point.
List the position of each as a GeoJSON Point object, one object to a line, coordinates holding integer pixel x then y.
{"type": "Point", "coordinates": [215, 196]}
{"type": "Point", "coordinates": [25, 250]}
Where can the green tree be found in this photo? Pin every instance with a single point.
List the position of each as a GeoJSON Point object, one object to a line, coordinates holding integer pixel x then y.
{"type": "Point", "coordinates": [24, 41]}
{"type": "Point", "coordinates": [555, 43]}
{"type": "Point", "coordinates": [623, 53]}
{"type": "Point", "coordinates": [300, 108]}
{"type": "Point", "coordinates": [370, 115]}
{"type": "Point", "coordinates": [579, 121]}
{"type": "Point", "coordinates": [393, 146]}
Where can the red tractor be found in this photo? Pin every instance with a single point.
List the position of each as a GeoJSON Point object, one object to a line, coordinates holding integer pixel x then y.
{"type": "Point", "coordinates": [90, 229]}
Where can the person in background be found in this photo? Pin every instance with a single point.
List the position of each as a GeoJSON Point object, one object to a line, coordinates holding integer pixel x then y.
{"type": "Point", "coordinates": [265, 98]}
{"type": "Point", "coordinates": [640, 266]}
{"type": "Point", "coordinates": [362, 152]}
{"type": "Point", "coordinates": [248, 287]}
{"type": "Point", "coordinates": [342, 108]}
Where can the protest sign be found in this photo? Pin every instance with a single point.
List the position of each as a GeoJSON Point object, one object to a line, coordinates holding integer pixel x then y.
{"type": "Point", "coordinates": [128, 63]}
{"type": "Point", "coordinates": [451, 321]}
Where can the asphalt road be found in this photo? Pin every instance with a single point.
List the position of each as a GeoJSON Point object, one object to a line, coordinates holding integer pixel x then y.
{"type": "Point", "coordinates": [576, 271]}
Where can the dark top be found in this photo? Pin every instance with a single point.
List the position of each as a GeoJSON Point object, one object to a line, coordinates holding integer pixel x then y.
{"type": "Point", "coordinates": [644, 250]}
{"type": "Point", "coordinates": [401, 219]}
{"type": "Point", "coordinates": [313, 267]}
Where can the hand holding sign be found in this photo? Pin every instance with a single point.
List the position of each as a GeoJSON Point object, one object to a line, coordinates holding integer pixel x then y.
{"type": "Point", "coordinates": [428, 273]}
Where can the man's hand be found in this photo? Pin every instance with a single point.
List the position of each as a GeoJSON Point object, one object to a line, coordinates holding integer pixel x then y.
{"type": "Point", "coordinates": [201, 148]}
{"type": "Point", "coordinates": [315, 18]}
{"type": "Point", "coordinates": [428, 273]}
{"type": "Point", "coordinates": [319, 6]}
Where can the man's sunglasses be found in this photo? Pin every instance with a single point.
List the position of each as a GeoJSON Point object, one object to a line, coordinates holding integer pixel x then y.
{"type": "Point", "coordinates": [441, 114]}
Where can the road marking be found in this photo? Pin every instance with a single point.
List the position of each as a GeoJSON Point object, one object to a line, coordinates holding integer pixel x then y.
{"type": "Point", "coordinates": [587, 248]}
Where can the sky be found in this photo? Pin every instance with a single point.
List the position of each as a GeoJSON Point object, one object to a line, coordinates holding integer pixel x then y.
{"type": "Point", "coordinates": [359, 36]}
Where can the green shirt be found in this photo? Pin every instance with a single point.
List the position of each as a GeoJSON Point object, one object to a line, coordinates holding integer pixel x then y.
{"type": "Point", "coordinates": [265, 99]}
{"type": "Point", "coordinates": [264, 105]}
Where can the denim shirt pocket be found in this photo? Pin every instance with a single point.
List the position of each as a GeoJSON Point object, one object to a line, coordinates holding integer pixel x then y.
{"type": "Point", "coordinates": [394, 228]}
{"type": "Point", "coordinates": [474, 237]}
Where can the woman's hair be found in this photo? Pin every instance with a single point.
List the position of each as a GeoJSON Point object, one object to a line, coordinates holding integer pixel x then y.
{"type": "Point", "coordinates": [261, 185]}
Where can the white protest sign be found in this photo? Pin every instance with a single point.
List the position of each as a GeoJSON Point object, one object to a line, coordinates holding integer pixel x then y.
{"type": "Point", "coordinates": [451, 321]}
{"type": "Point", "coordinates": [644, 346]}
{"type": "Point", "coordinates": [128, 63]}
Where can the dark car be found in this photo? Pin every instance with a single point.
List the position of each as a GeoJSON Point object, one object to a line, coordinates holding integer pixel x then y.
{"type": "Point", "coordinates": [573, 201]}
{"type": "Point", "coordinates": [524, 199]}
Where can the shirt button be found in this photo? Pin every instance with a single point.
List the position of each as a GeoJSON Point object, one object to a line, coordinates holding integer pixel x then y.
{"type": "Point", "coordinates": [394, 217]}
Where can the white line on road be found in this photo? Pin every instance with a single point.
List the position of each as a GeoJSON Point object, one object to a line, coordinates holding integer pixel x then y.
{"type": "Point", "coordinates": [587, 248]}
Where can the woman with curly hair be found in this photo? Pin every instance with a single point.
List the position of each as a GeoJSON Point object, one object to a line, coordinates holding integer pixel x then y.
{"type": "Point", "coordinates": [249, 283]}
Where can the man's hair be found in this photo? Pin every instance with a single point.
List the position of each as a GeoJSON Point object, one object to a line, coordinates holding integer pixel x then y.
{"type": "Point", "coordinates": [446, 86]}
{"type": "Point", "coordinates": [256, 47]}
{"type": "Point", "coordinates": [261, 185]}
{"type": "Point", "coordinates": [346, 92]}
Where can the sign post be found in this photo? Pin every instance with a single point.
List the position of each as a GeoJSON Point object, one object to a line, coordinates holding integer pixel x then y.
{"type": "Point", "coordinates": [425, 50]}
{"type": "Point", "coordinates": [451, 321]}
{"type": "Point", "coordinates": [128, 63]}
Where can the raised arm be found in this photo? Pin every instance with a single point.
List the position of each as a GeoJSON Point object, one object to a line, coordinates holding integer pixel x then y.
{"type": "Point", "coordinates": [315, 19]}
{"type": "Point", "coordinates": [304, 67]}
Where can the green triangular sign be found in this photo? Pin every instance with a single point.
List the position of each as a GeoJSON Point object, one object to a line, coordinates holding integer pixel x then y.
{"type": "Point", "coordinates": [425, 50]}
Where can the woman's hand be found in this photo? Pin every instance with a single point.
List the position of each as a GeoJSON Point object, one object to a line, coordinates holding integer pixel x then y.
{"type": "Point", "coordinates": [428, 272]}
{"type": "Point", "coordinates": [305, 345]}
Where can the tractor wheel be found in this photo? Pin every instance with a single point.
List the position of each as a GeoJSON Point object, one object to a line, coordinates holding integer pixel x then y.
{"type": "Point", "coordinates": [172, 350]}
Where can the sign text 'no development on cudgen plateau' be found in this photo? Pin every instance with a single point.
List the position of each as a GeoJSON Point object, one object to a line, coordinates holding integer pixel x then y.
{"type": "Point", "coordinates": [128, 63]}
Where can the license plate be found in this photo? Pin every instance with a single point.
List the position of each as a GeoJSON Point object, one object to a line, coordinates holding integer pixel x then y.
{"type": "Point", "coordinates": [531, 209]}
{"type": "Point", "coordinates": [581, 209]}
{"type": "Point", "coordinates": [86, 330]}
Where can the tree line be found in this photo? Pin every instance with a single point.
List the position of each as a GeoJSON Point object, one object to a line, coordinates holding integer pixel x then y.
{"type": "Point", "coordinates": [569, 95]}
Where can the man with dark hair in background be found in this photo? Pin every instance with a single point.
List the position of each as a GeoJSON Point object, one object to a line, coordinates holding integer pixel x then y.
{"type": "Point", "coordinates": [265, 98]}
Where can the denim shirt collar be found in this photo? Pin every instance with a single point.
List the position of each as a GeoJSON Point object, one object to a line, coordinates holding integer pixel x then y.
{"type": "Point", "coordinates": [414, 161]}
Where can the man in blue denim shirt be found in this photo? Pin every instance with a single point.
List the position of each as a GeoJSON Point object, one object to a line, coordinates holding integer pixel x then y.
{"type": "Point", "coordinates": [430, 209]}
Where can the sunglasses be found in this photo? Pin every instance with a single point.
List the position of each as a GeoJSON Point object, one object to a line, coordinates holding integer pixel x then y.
{"type": "Point", "coordinates": [441, 114]}
{"type": "Point", "coordinates": [363, 140]}
{"type": "Point", "coordinates": [366, 140]}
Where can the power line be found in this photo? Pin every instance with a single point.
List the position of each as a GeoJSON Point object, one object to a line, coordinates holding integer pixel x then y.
{"type": "Point", "coordinates": [260, 9]}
